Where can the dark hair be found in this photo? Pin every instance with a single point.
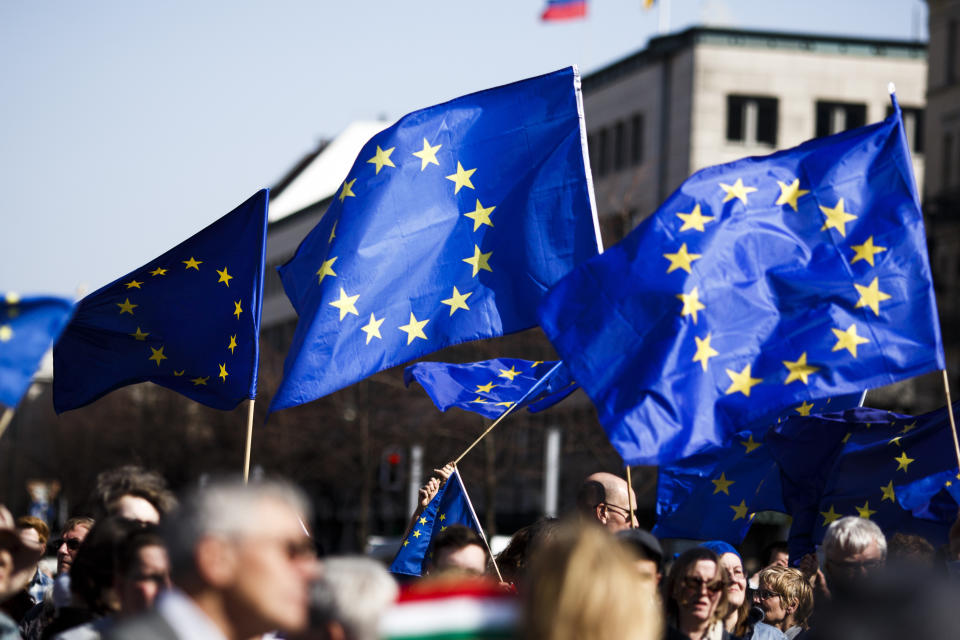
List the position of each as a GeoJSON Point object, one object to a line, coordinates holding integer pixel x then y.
{"type": "Point", "coordinates": [131, 480]}
{"type": "Point", "coordinates": [903, 547]}
{"type": "Point", "coordinates": [147, 535]}
{"type": "Point", "coordinates": [778, 546]}
{"type": "Point", "coordinates": [590, 494]}
{"type": "Point", "coordinates": [513, 560]}
{"type": "Point", "coordinates": [81, 521]}
{"type": "Point", "coordinates": [455, 537]}
{"type": "Point", "coordinates": [92, 572]}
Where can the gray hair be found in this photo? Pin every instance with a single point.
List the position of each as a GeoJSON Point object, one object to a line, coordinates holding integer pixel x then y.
{"type": "Point", "coordinates": [853, 534]}
{"type": "Point", "coordinates": [354, 591]}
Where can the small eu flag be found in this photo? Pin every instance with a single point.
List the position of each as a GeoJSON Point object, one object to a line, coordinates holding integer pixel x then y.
{"type": "Point", "coordinates": [491, 387]}
{"type": "Point", "coordinates": [188, 320]}
{"type": "Point", "coordinates": [449, 227]}
{"type": "Point", "coordinates": [28, 326]}
{"type": "Point", "coordinates": [758, 283]}
{"type": "Point", "coordinates": [450, 506]}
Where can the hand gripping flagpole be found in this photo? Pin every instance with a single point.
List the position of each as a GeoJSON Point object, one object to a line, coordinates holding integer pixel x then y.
{"type": "Point", "coordinates": [246, 455]}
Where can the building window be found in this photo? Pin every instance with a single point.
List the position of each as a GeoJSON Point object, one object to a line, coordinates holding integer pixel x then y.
{"type": "Point", "coordinates": [752, 120]}
{"type": "Point", "coordinates": [834, 117]}
{"type": "Point", "coordinates": [619, 146]}
{"type": "Point", "coordinates": [912, 126]}
{"type": "Point", "coordinates": [636, 140]}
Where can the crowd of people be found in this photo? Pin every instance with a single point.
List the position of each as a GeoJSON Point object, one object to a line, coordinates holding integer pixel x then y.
{"type": "Point", "coordinates": [237, 561]}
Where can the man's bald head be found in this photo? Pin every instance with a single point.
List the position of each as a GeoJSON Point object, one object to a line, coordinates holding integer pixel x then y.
{"type": "Point", "coordinates": [603, 498]}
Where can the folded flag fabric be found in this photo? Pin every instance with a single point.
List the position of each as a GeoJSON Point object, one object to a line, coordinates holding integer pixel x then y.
{"type": "Point", "coordinates": [188, 320]}
{"type": "Point", "coordinates": [28, 327]}
{"type": "Point", "coordinates": [450, 226]}
{"type": "Point", "coordinates": [564, 10]}
{"type": "Point", "coordinates": [452, 610]}
{"type": "Point", "coordinates": [758, 283]}
{"type": "Point", "coordinates": [490, 387]}
{"type": "Point", "coordinates": [450, 506]}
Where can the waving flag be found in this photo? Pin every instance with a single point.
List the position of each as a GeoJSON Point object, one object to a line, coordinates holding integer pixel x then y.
{"type": "Point", "coordinates": [188, 320]}
{"type": "Point", "coordinates": [564, 10]}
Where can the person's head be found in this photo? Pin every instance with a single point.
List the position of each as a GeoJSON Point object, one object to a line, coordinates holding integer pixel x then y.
{"type": "Point", "coordinates": [603, 498]}
{"type": "Point", "coordinates": [142, 571]}
{"type": "Point", "coordinates": [458, 548]}
{"type": "Point", "coordinates": [776, 554]}
{"type": "Point", "coordinates": [515, 557]}
{"type": "Point", "coordinates": [71, 537]}
{"type": "Point", "coordinates": [731, 561]}
{"type": "Point", "coordinates": [18, 556]}
{"type": "Point", "coordinates": [646, 551]}
{"type": "Point", "coordinates": [853, 548]}
{"type": "Point", "coordinates": [580, 585]}
{"type": "Point", "coordinates": [94, 567]}
{"type": "Point", "coordinates": [785, 597]}
{"type": "Point", "coordinates": [133, 493]}
{"type": "Point", "coordinates": [34, 528]}
{"type": "Point", "coordinates": [242, 552]}
{"type": "Point", "coordinates": [348, 600]}
{"type": "Point", "coordinates": [911, 549]}
{"type": "Point", "coordinates": [696, 589]}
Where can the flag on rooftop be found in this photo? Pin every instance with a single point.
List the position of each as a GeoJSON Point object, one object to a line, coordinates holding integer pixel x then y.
{"type": "Point", "coordinates": [188, 320]}
{"type": "Point", "coordinates": [449, 227]}
{"type": "Point", "coordinates": [28, 327]}
{"type": "Point", "coordinates": [802, 274]}
{"type": "Point", "coordinates": [564, 10]}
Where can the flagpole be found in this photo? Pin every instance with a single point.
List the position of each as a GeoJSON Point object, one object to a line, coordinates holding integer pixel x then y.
{"type": "Point", "coordinates": [503, 415]}
{"type": "Point", "coordinates": [477, 521]}
{"type": "Point", "coordinates": [630, 496]}
{"type": "Point", "coordinates": [246, 455]}
{"type": "Point", "coordinates": [953, 424]}
{"type": "Point", "coordinates": [5, 420]}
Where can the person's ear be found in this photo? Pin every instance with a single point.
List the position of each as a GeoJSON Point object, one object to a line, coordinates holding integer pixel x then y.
{"type": "Point", "coordinates": [792, 606]}
{"type": "Point", "coordinates": [601, 510]}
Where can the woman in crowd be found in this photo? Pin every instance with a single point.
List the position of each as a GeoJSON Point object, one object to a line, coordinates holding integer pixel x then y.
{"type": "Point", "coordinates": [786, 599]}
{"type": "Point", "coordinates": [695, 596]}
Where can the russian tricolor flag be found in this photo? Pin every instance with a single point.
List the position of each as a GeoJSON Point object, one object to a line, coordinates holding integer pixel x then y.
{"type": "Point", "coordinates": [564, 9]}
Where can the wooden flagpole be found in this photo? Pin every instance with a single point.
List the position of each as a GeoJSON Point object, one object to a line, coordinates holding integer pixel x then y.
{"type": "Point", "coordinates": [246, 455]}
{"type": "Point", "coordinates": [630, 496]}
{"type": "Point", "coordinates": [5, 420]}
{"type": "Point", "coordinates": [953, 424]}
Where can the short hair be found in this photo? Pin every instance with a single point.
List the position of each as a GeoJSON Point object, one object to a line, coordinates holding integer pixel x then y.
{"type": "Point", "coordinates": [132, 480]}
{"type": "Point", "coordinates": [78, 521]}
{"type": "Point", "coordinates": [92, 572]}
{"type": "Point", "coordinates": [678, 572]}
{"type": "Point", "coordinates": [791, 586]}
{"type": "Point", "coordinates": [907, 547]}
{"type": "Point", "coordinates": [146, 535]}
{"type": "Point", "coordinates": [852, 534]}
{"type": "Point", "coordinates": [455, 537]}
{"type": "Point", "coordinates": [353, 591]}
{"type": "Point", "coordinates": [38, 525]}
{"type": "Point", "coordinates": [515, 557]}
{"type": "Point", "coordinates": [778, 546]}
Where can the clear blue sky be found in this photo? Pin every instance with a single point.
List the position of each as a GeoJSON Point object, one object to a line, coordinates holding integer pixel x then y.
{"type": "Point", "coordinates": [128, 126]}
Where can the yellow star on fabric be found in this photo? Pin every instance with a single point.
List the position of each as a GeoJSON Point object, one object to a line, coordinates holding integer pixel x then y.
{"type": "Point", "coordinates": [139, 335]}
{"type": "Point", "coordinates": [846, 437]}
{"type": "Point", "coordinates": [871, 296]}
{"type": "Point", "coordinates": [895, 440]}
{"type": "Point", "coordinates": [681, 259]}
{"type": "Point", "coordinates": [736, 190]}
{"type": "Point", "coordinates": [739, 510]}
{"type": "Point", "coordinates": [536, 364]}
{"type": "Point", "coordinates": [509, 374]}
{"type": "Point", "coordinates": [865, 511]}
{"type": "Point", "coordinates": [829, 516]}
{"type": "Point", "coordinates": [159, 271]}
{"type": "Point", "coordinates": [223, 372]}
{"type": "Point", "coordinates": [907, 428]}
{"type": "Point", "coordinates": [789, 193]}
{"type": "Point", "coordinates": [326, 269]}
{"type": "Point", "coordinates": [704, 351]}
{"type": "Point", "coordinates": [382, 159]}
{"type": "Point", "coordinates": [237, 309]}
{"type": "Point", "coordinates": [799, 370]}
{"type": "Point", "coordinates": [157, 355]}
{"type": "Point", "coordinates": [200, 381]}
{"type": "Point", "coordinates": [750, 444]}
{"type": "Point", "coordinates": [192, 264]}
{"type": "Point", "coordinates": [742, 381]}
{"type": "Point", "coordinates": [126, 306]}
{"type": "Point", "coordinates": [443, 517]}
{"type": "Point", "coordinates": [888, 493]}
{"type": "Point", "coordinates": [504, 404]}
{"type": "Point", "coordinates": [6, 333]}
{"type": "Point", "coordinates": [427, 155]}
{"type": "Point", "coordinates": [406, 542]}
{"type": "Point", "coordinates": [848, 340]}
{"type": "Point", "coordinates": [694, 219]}
{"type": "Point", "coordinates": [133, 284]}
{"type": "Point", "coordinates": [233, 343]}
{"type": "Point", "coordinates": [416, 533]}
{"type": "Point", "coordinates": [485, 388]}
{"type": "Point", "coordinates": [461, 178]}
{"type": "Point", "coordinates": [837, 218]}
{"type": "Point", "coordinates": [180, 373]}
{"type": "Point", "coordinates": [691, 304]}
{"type": "Point", "coordinates": [479, 261]}
{"type": "Point", "coordinates": [346, 304]}
{"type": "Point", "coordinates": [804, 408]}
{"type": "Point", "coordinates": [866, 251]}
{"type": "Point", "coordinates": [347, 190]}
{"type": "Point", "coordinates": [480, 215]}
{"type": "Point", "coordinates": [333, 231]}
{"type": "Point", "coordinates": [423, 521]}
{"type": "Point", "coordinates": [903, 462]}
{"type": "Point", "coordinates": [372, 328]}
{"type": "Point", "coordinates": [457, 300]}
{"type": "Point", "coordinates": [12, 298]}
{"type": "Point", "coordinates": [721, 484]}
{"type": "Point", "coordinates": [479, 400]}
{"type": "Point", "coordinates": [414, 329]}
{"type": "Point", "coordinates": [225, 277]}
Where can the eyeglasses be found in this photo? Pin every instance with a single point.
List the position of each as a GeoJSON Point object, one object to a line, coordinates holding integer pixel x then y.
{"type": "Point", "coordinates": [72, 543]}
{"type": "Point", "coordinates": [853, 567]}
{"type": "Point", "coordinates": [617, 509]}
{"type": "Point", "coordinates": [763, 594]}
{"type": "Point", "coordinates": [694, 584]}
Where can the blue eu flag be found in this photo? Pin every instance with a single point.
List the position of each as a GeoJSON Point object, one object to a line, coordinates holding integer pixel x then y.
{"type": "Point", "coordinates": [188, 320]}
{"type": "Point", "coordinates": [28, 326]}
{"type": "Point", "coordinates": [449, 227]}
{"type": "Point", "coordinates": [803, 274]}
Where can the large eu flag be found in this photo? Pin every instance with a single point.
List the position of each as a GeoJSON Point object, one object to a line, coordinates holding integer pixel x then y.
{"type": "Point", "coordinates": [188, 320]}
{"type": "Point", "coordinates": [756, 284]}
{"type": "Point", "coordinates": [449, 227]}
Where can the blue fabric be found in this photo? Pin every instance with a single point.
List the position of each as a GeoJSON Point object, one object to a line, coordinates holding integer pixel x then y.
{"type": "Point", "coordinates": [682, 333]}
{"type": "Point", "coordinates": [188, 320]}
{"type": "Point", "coordinates": [28, 326]}
{"type": "Point", "coordinates": [409, 258]}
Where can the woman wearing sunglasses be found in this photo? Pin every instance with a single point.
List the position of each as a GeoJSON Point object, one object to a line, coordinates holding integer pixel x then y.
{"type": "Point", "coordinates": [786, 599]}
{"type": "Point", "coordinates": [695, 596]}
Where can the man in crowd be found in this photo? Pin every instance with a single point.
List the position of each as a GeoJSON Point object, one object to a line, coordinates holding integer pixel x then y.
{"type": "Point", "coordinates": [71, 536]}
{"type": "Point", "coordinates": [644, 547]}
{"type": "Point", "coordinates": [458, 548]}
{"type": "Point", "coordinates": [133, 493]}
{"type": "Point", "coordinates": [347, 602]}
{"type": "Point", "coordinates": [603, 498]}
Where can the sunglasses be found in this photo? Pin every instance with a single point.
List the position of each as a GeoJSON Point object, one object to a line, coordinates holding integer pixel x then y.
{"type": "Point", "coordinates": [763, 594]}
{"type": "Point", "coordinates": [693, 584]}
{"type": "Point", "coordinates": [72, 543]}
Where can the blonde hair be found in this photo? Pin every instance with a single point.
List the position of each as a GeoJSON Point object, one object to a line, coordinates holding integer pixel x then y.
{"type": "Point", "coordinates": [582, 585]}
{"type": "Point", "coordinates": [792, 587]}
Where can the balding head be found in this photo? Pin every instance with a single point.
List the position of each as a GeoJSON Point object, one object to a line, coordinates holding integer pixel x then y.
{"type": "Point", "coordinates": [603, 499]}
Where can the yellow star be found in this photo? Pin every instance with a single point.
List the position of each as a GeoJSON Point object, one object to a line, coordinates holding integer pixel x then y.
{"type": "Point", "coordinates": [691, 304]}
{"type": "Point", "coordinates": [479, 400]}
{"type": "Point", "coordinates": [192, 264]}
{"type": "Point", "coordinates": [414, 329]}
{"type": "Point", "coordinates": [237, 309]}
{"type": "Point", "coordinates": [457, 300]}
{"type": "Point", "coordinates": [479, 261]}
{"type": "Point", "coordinates": [681, 259]}
{"type": "Point", "coordinates": [6, 333]}
{"type": "Point", "coordinates": [866, 251]}
{"type": "Point", "coordinates": [180, 373]}
{"type": "Point", "coordinates": [372, 328]}
{"type": "Point", "coordinates": [442, 529]}
{"type": "Point", "coordinates": [742, 381]}
{"type": "Point", "coordinates": [233, 343]}
{"type": "Point", "coordinates": [865, 511]}
{"type": "Point", "coordinates": [837, 218]}
{"type": "Point", "coordinates": [12, 298]}
{"type": "Point", "coordinates": [346, 304]}
{"type": "Point", "coordinates": [326, 269]}
{"type": "Point", "coordinates": [722, 484]}
{"type": "Point", "coordinates": [504, 404]}
{"type": "Point", "coordinates": [789, 193]}
{"type": "Point", "coordinates": [739, 510]}
{"type": "Point", "coordinates": [907, 428]}
{"type": "Point", "coordinates": [704, 351]}
{"type": "Point", "coordinates": [888, 493]}
{"type": "Point", "coordinates": [406, 542]}
{"type": "Point", "coordinates": [848, 340]}
{"type": "Point", "coordinates": [903, 462]}
{"type": "Point", "coordinates": [509, 374]}
{"type": "Point", "coordinates": [804, 408]}
{"type": "Point", "coordinates": [382, 159]}
{"type": "Point", "coordinates": [126, 306]}
{"type": "Point", "coordinates": [225, 277]}
{"type": "Point", "coordinates": [133, 284]}
{"type": "Point", "coordinates": [200, 381]}
{"type": "Point", "coordinates": [737, 190]}
{"type": "Point", "coordinates": [333, 232]}
{"type": "Point", "coordinates": [799, 370]}
{"type": "Point", "coordinates": [139, 335]}
{"type": "Point", "coordinates": [423, 521]}
{"type": "Point", "coordinates": [694, 219]}
{"type": "Point", "coordinates": [480, 215]}
{"type": "Point", "coordinates": [750, 444]}
{"type": "Point", "coordinates": [536, 364]}
{"type": "Point", "coordinates": [895, 440]}
{"type": "Point", "coordinates": [829, 516]}
{"type": "Point", "coordinates": [427, 155]}
{"type": "Point", "coordinates": [485, 388]}
{"type": "Point", "coordinates": [159, 271]}
{"type": "Point", "coordinates": [157, 355]}
{"type": "Point", "coordinates": [461, 178]}
{"type": "Point", "coordinates": [347, 190]}
{"type": "Point", "coordinates": [846, 437]}
{"type": "Point", "coordinates": [416, 533]}
{"type": "Point", "coordinates": [223, 372]}
{"type": "Point", "coordinates": [443, 517]}
{"type": "Point", "coordinates": [871, 296]}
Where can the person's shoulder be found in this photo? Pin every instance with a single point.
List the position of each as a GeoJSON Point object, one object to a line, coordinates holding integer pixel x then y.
{"type": "Point", "coordinates": [763, 631]}
{"type": "Point", "coordinates": [148, 626]}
